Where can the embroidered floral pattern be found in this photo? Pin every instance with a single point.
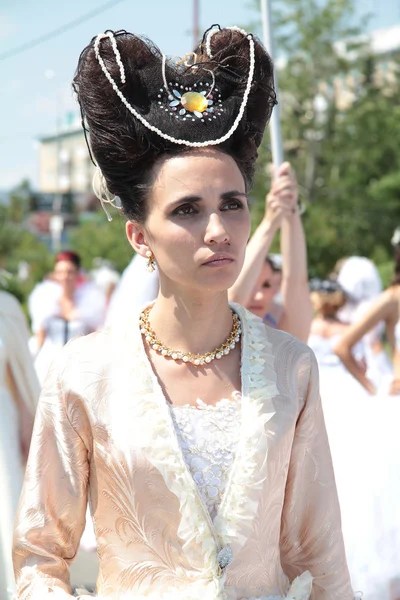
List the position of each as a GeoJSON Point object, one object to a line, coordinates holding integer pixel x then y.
{"type": "Point", "coordinates": [208, 437]}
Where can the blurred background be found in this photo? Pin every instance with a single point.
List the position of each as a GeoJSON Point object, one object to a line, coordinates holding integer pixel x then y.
{"type": "Point", "coordinates": [339, 82]}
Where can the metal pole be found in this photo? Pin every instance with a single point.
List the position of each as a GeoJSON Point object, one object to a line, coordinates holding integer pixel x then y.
{"type": "Point", "coordinates": [275, 123]}
{"type": "Point", "coordinates": [195, 23]}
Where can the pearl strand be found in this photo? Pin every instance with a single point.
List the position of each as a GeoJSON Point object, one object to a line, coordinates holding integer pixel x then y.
{"type": "Point", "coordinates": [198, 360]}
{"type": "Point", "coordinates": [113, 41]}
{"type": "Point", "coordinates": [158, 131]}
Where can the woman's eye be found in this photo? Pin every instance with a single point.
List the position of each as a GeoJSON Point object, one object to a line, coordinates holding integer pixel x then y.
{"type": "Point", "coordinates": [232, 205]}
{"type": "Point", "coordinates": [266, 285]}
{"type": "Point", "coordinates": [186, 209]}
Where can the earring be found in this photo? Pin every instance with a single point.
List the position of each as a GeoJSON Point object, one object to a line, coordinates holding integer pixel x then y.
{"type": "Point", "coordinates": [151, 263]}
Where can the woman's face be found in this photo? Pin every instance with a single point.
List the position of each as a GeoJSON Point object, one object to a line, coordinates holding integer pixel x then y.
{"type": "Point", "coordinates": [198, 222]}
{"type": "Point", "coordinates": [268, 284]}
{"type": "Point", "coordinates": [66, 274]}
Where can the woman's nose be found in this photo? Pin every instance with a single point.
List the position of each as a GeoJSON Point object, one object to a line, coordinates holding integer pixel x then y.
{"type": "Point", "coordinates": [257, 295]}
{"type": "Point", "coordinates": [216, 232]}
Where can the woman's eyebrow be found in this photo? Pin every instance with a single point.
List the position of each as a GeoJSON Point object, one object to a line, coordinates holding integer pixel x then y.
{"type": "Point", "coordinates": [232, 193]}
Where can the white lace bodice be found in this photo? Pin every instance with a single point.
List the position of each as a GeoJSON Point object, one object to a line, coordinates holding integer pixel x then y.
{"type": "Point", "coordinates": [208, 436]}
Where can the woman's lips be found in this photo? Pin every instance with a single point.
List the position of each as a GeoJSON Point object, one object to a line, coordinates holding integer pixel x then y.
{"type": "Point", "coordinates": [221, 260]}
{"type": "Point", "coordinates": [219, 263]}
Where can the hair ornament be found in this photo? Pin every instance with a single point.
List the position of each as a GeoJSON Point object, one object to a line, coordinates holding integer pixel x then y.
{"type": "Point", "coordinates": [201, 103]}
{"type": "Point", "coordinates": [189, 102]}
{"type": "Point", "coordinates": [102, 192]}
{"type": "Point", "coordinates": [113, 41]}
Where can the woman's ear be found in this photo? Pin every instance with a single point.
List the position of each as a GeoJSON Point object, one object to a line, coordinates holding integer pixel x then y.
{"type": "Point", "coordinates": [137, 238]}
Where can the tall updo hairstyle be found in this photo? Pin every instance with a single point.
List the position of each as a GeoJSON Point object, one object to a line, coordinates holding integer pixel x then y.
{"type": "Point", "coordinates": [125, 150]}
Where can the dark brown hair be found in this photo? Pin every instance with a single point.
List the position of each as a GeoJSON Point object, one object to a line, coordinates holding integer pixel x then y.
{"type": "Point", "coordinates": [126, 151]}
{"type": "Point", "coordinates": [69, 256]}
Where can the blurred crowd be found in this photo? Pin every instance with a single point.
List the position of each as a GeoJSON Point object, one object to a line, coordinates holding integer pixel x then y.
{"type": "Point", "coordinates": [350, 322]}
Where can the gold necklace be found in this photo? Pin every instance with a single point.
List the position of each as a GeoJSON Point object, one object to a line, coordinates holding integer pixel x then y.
{"type": "Point", "coordinates": [196, 359]}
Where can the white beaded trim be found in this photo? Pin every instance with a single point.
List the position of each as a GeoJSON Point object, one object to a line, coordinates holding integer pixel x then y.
{"type": "Point", "coordinates": [152, 127]}
{"type": "Point", "coordinates": [113, 41]}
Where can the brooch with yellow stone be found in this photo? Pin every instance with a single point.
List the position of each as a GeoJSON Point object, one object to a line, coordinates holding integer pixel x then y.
{"type": "Point", "coordinates": [200, 102]}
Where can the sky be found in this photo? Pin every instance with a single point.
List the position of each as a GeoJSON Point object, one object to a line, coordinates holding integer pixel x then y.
{"type": "Point", "coordinates": [36, 88]}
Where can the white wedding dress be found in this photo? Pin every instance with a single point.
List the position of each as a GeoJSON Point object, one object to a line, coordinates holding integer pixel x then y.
{"type": "Point", "coordinates": [365, 445]}
{"type": "Point", "coordinates": [44, 308]}
{"type": "Point", "coordinates": [10, 474]}
{"type": "Point", "coordinates": [15, 362]}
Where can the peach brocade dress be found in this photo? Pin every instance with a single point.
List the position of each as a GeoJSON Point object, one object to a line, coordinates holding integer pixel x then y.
{"type": "Point", "coordinates": [255, 517]}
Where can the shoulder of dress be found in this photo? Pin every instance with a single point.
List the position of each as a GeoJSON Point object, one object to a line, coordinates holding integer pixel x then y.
{"type": "Point", "coordinates": [283, 346]}
{"type": "Point", "coordinates": [86, 343]}
{"type": "Point", "coordinates": [83, 350]}
{"type": "Point", "coordinates": [276, 337]}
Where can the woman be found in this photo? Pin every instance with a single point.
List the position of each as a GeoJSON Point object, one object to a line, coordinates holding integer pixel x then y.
{"type": "Point", "coordinates": [266, 301]}
{"type": "Point", "coordinates": [19, 393]}
{"type": "Point", "coordinates": [187, 426]}
{"type": "Point", "coordinates": [385, 309]}
{"type": "Point", "coordinates": [362, 284]}
{"type": "Point", "coordinates": [260, 282]}
{"type": "Point", "coordinates": [328, 298]}
{"type": "Point", "coordinates": [259, 285]}
{"type": "Point", "coordinates": [362, 432]}
{"type": "Point", "coordinates": [62, 308]}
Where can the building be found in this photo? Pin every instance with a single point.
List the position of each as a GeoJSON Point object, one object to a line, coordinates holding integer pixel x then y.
{"type": "Point", "coordinates": [65, 183]}
{"type": "Point", "coordinates": [64, 163]}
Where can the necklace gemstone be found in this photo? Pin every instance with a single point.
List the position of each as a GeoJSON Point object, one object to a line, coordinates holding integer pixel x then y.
{"type": "Point", "coordinates": [194, 101]}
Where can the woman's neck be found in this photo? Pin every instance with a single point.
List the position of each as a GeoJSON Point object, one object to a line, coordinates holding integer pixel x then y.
{"type": "Point", "coordinates": [191, 323]}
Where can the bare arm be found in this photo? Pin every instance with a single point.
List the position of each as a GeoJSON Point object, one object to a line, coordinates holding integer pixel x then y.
{"type": "Point", "coordinates": [256, 252]}
{"type": "Point", "coordinates": [384, 309]}
{"type": "Point", "coordinates": [279, 202]}
{"type": "Point", "coordinates": [40, 337]}
{"type": "Point", "coordinates": [297, 315]}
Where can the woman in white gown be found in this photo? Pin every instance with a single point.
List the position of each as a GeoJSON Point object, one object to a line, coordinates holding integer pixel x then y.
{"type": "Point", "coordinates": [360, 280]}
{"type": "Point", "coordinates": [261, 280]}
{"type": "Point", "coordinates": [63, 308]}
{"type": "Point", "coordinates": [19, 393]}
{"type": "Point", "coordinates": [365, 451]}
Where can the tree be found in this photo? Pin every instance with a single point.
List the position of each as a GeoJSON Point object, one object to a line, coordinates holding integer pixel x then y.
{"type": "Point", "coordinates": [98, 238]}
{"type": "Point", "coordinates": [345, 154]}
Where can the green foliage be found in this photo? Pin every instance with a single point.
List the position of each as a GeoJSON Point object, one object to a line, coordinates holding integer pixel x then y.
{"type": "Point", "coordinates": [346, 156]}
{"type": "Point", "coordinates": [98, 238]}
{"type": "Point", "coordinates": [18, 245]}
